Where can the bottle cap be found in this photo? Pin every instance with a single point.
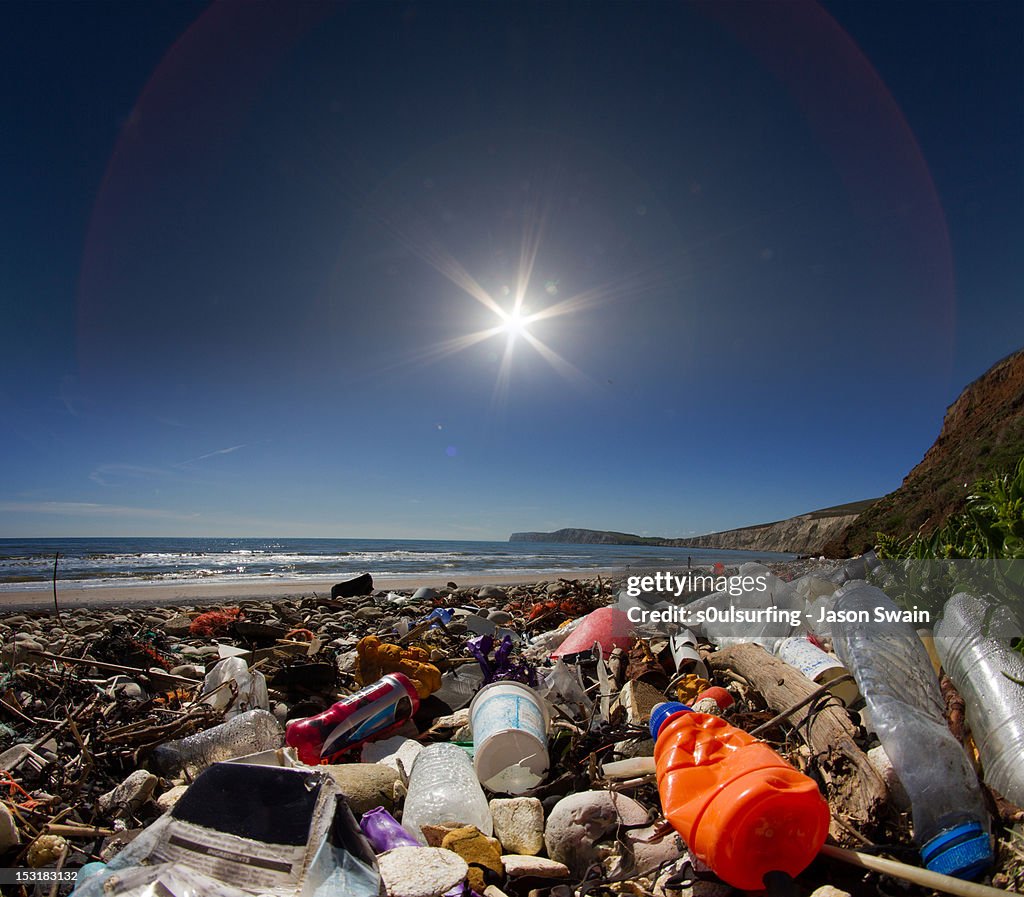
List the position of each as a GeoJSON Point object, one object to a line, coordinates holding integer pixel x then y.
{"type": "Point", "coordinates": [661, 712]}
{"type": "Point", "coordinates": [963, 851]}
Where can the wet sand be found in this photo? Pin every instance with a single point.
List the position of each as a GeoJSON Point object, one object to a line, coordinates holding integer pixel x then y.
{"type": "Point", "coordinates": [164, 594]}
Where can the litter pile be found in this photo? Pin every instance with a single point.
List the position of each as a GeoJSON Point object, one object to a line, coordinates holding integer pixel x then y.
{"type": "Point", "coordinates": [562, 739]}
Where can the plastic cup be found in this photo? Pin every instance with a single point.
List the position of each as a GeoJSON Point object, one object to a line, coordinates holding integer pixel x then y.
{"type": "Point", "coordinates": [510, 743]}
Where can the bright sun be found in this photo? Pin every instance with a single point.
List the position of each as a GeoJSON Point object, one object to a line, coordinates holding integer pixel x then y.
{"type": "Point", "coordinates": [514, 323]}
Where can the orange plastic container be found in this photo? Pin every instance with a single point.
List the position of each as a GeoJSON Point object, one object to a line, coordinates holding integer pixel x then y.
{"type": "Point", "coordinates": [739, 806]}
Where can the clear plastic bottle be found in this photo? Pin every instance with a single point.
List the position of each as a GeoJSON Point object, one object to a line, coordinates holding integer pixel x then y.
{"type": "Point", "coordinates": [443, 787]}
{"type": "Point", "coordinates": [896, 678]}
{"type": "Point", "coordinates": [981, 668]}
{"type": "Point", "coordinates": [247, 733]}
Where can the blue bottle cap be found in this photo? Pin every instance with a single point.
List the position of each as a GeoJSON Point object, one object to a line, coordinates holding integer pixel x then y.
{"type": "Point", "coordinates": [963, 851]}
{"type": "Point", "coordinates": [661, 712]}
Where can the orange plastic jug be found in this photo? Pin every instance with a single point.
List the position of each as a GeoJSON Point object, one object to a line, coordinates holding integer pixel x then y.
{"type": "Point", "coordinates": [739, 806]}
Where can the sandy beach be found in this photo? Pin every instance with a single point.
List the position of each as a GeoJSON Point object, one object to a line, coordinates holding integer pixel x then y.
{"type": "Point", "coordinates": [189, 594]}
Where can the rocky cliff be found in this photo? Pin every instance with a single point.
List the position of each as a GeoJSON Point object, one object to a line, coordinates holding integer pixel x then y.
{"type": "Point", "coordinates": [806, 534]}
{"type": "Point", "coordinates": [982, 434]}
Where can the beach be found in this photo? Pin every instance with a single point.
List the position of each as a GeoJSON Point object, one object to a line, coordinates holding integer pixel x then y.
{"type": "Point", "coordinates": [193, 594]}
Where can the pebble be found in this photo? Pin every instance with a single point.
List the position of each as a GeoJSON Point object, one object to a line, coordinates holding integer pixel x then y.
{"type": "Point", "coordinates": [519, 824]}
{"type": "Point", "coordinates": [131, 794]}
{"type": "Point", "coordinates": [420, 871]}
{"type": "Point", "coordinates": [830, 891]}
{"type": "Point", "coordinates": [579, 821]}
{"type": "Point", "coordinates": [517, 866]}
{"type": "Point", "coordinates": [398, 752]}
{"type": "Point", "coordinates": [477, 850]}
{"type": "Point", "coordinates": [170, 797]}
{"type": "Point", "coordinates": [364, 785]}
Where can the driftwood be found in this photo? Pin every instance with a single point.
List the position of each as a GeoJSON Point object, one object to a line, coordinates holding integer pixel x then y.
{"type": "Point", "coordinates": [856, 791]}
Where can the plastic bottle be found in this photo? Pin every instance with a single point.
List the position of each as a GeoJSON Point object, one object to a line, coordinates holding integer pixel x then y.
{"type": "Point", "coordinates": [895, 677]}
{"type": "Point", "coordinates": [369, 713]}
{"type": "Point", "coordinates": [443, 787]}
{"type": "Point", "coordinates": [981, 668]}
{"type": "Point", "coordinates": [739, 806]}
{"type": "Point", "coordinates": [247, 733]}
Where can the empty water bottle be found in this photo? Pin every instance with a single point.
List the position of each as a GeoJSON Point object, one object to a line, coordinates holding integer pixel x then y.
{"type": "Point", "coordinates": [895, 676]}
{"type": "Point", "coordinates": [444, 788]}
{"type": "Point", "coordinates": [247, 733]}
{"type": "Point", "coordinates": [976, 655]}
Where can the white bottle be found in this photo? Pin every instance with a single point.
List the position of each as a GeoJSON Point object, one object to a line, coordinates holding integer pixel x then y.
{"type": "Point", "coordinates": [896, 678]}
{"type": "Point", "coordinates": [987, 673]}
{"type": "Point", "coordinates": [443, 787]}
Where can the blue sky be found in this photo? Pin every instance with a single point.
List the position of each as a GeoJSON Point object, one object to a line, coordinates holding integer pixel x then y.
{"type": "Point", "coordinates": [768, 244]}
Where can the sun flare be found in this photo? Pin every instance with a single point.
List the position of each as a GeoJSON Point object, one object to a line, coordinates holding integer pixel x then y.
{"type": "Point", "coordinates": [514, 323]}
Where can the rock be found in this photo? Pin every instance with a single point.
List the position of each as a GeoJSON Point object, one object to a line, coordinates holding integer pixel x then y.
{"type": "Point", "coordinates": [435, 834]}
{"type": "Point", "coordinates": [397, 752]}
{"type": "Point", "coordinates": [424, 593]}
{"type": "Point", "coordinates": [21, 651]}
{"type": "Point", "coordinates": [830, 891]}
{"type": "Point", "coordinates": [533, 867]}
{"type": "Point", "coordinates": [420, 871]}
{"type": "Point", "coordinates": [170, 797]}
{"type": "Point", "coordinates": [367, 614]}
{"type": "Point", "coordinates": [364, 785]}
{"type": "Point", "coordinates": [493, 593]}
{"type": "Point", "coordinates": [519, 824]}
{"type": "Point", "coordinates": [353, 588]}
{"type": "Point", "coordinates": [477, 850]}
{"type": "Point", "coordinates": [500, 617]}
{"type": "Point", "coordinates": [9, 835]}
{"type": "Point", "coordinates": [577, 822]}
{"type": "Point", "coordinates": [646, 854]}
{"type": "Point", "coordinates": [131, 794]}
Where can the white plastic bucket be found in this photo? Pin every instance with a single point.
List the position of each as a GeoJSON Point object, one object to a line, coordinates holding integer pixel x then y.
{"type": "Point", "coordinates": [510, 737]}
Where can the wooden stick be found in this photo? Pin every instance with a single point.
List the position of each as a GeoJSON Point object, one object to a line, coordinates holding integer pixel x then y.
{"type": "Point", "coordinates": [925, 877]}
{"type": "Point", "coordinates": [116, 667]}
{"type": "Point", "coordinates": [56, 608]}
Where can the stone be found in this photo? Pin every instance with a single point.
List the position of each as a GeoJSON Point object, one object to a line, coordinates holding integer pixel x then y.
{"type": "Point", "coordinates": [131, 794]}
{"type": "Point", "coordinates": [579, 821]}
{"type": "Point", "coordinates": [830, 891]}
{"type": "Point", "coordinates": [170, 797]}
{"type": "Point", "coordinates": [533, 867]}
{"type": "Point", "coordinates": [9, 835]}
{"type": "Point", "coordinates": [500, 617]}
{"type": "Point", "coordinates": [435, 834]}
{"type": "Point", "coordinates": [21, 651]}
{"type": "Point", "coordinates": [398, 752]}
{"type": "Point", "coordinates": [493, 593]}
{"type": "Point", "coordinates": [477, 850]}
{"type": "Point", "coordinates": [420, 871]}
{"type": "Point", "coordinates": [519, 824]}
{"type": "Point", "coordinates": [364, 785]}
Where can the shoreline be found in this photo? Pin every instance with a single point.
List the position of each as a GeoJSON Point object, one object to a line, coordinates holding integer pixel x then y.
{"type": "Point", "coordinates": [198, 593]}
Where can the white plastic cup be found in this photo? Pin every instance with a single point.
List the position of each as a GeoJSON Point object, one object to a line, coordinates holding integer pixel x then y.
{"type": "Point", "coordinates": [510, 737]}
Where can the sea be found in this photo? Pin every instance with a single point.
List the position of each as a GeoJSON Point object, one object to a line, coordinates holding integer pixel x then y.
{"type": "Point", "coordinates": [28, 564]}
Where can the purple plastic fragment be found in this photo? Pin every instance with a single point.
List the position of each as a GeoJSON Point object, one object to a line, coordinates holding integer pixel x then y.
{"type": "Point", "coordinates": [503, 667]}
{"type": "Point", "coordinates": [383, 831]}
